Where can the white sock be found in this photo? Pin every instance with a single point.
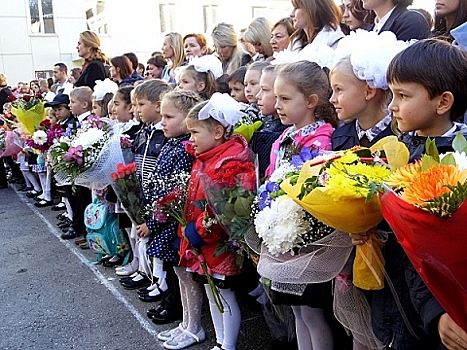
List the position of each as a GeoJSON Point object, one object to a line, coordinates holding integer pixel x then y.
{"type": "Point", "coordinates": [313, 332]}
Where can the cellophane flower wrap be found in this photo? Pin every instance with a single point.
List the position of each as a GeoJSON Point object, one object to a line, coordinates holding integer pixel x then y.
{"type": "Point", "coordinates": [296, 248]}
{"type": "Point", "coordinates": [340, 190]}
{"type": "Point", "coordinates": [29, 110]}
{"type": "Point", "coordinates": [10, 143]}
{"type": "Point", "coordinates": [127, 186]}
{"type": "Point", "coordinates": [249, 123]}
{"type": "Point", "coordinates": [230, 193]}
{"type": "Point", "coordinates": [45, 136]}
{"type": "Point", "coordinates": [76, 152]}
{"type": "Point", "coordinates": [425, 207]}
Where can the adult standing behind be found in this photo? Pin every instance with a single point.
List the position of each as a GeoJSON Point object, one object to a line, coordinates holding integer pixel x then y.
{"type": "Point", "coordinates": [227, 47]}
{"type": "Point", "coordinates": [258, 34]}
{"type": "Point", "coordinates": [62, 83]}
{"type": "Point", "coordinates": [393, 16]}
{"type": "Point", "coordinates": [450, 21]}
{"type": "Point", "coordinates": [121, 71]}
{"type": "Point", "coordinates": [134, 64]}
{"type": "Point", "coordinates": [355, 16]}
{"type": "Point", "coordinates": [195, 45]}
{"type": "Point", "coordinates": [281, 33]}
{"type": "Point", "coordinates": [47, 95]}
{"type": "Point", "coordinates": [75, 72]}
{"type": "Point", "coordinates": [94, 59]}
{"type": "Point", "coordinates": [173, 52]}
{"type": "Point", "coordinates": [156, 65]}
{"type": "Point", "coordinates": [317, 22]}
{"type": "Point", "coordinates": [4, 91]}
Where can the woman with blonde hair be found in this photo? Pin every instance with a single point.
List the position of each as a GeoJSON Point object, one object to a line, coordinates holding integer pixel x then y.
{"type": "Point", "coordinates": [258, 34]}
{"type": "Point", "coordinates": [227, 47]}
{"type": "Point", "coordinates": [316, 22]}
{"type": "Point", "coordinates": [94, 59]}
{"type": "Point", "coordinates": [174, 52]}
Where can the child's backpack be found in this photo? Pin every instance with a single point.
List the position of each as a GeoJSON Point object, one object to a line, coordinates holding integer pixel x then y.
{"type": "Point", "coordinates": [103, 234]}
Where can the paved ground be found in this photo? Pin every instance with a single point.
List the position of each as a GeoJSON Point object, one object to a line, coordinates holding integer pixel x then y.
{"type": "Point", "coordinates": [51, 299]}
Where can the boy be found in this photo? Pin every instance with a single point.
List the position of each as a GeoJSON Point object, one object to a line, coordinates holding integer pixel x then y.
{"type": "Point", "coordinates": [236, 87]}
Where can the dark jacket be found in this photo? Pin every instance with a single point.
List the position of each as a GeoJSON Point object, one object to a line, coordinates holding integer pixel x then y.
{"type": "Point", "coordinates": [406, 24]}
{"type": "Point", "coordinates": [95, 70]}
{"type": "Point", "coordinates": [4, 93]}
{"type": "Point", "coordinates": [346, 137]}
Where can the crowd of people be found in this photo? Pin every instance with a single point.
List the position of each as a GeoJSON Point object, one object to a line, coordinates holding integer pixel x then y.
{"type": "Point", "coordinates": [278, 74]}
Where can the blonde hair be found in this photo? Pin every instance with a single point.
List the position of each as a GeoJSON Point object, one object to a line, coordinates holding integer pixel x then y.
{"type": "Point", "coordinates": [151, 90]}
{"type": "Point", "coordinates": [82, 94]}
{"type": "Point", "coordinates": [3, 80]}
{"type": "Point", "coordinates": [259, 32]}
{"type": "Point", "coordinates": [176, 43]}
{"type": "Point", "coordinates": [184, 101]}
{"type": "Point", "coordinates": [93, 41]}
{"type": "Point", "coordinates": [224, 35]}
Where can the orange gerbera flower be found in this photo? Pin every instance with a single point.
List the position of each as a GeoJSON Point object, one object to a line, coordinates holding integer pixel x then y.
{"type": "Point", "coordinates": [433, 183]}
{"type": "Point", "coordinates": [404, 176]}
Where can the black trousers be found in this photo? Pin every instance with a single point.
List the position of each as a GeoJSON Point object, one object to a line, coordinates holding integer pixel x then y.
{"type": "Point", "coordinates": [79, 199]}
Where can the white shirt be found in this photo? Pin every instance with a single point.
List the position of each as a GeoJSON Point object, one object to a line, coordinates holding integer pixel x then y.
{"type": "Point", "coordinates": [83, 116]}
{"type": "Point", "coordinates": [379, 24]}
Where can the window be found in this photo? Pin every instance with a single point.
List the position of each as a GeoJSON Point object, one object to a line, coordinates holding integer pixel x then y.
{"type": "Point", "coordinates": [209, 16]}
{"type": "Point", "coordinates": [42, 17]}
{"type": "Point", "coordinates": [166, 16]}
{"type": "Point", "coordinates": [259, 11]}
{"type": "Point", "coordinates": [43, 74]}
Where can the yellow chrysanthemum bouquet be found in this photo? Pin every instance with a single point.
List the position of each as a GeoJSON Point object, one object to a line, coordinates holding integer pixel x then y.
{"type": "Point", "coordinates": [425, 205]}
{"type": "Point", "coordinates": [340, 189]}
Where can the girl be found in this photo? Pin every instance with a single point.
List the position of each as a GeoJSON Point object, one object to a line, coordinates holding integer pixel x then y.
{"type": "Point", "coordinates": [302, 99]}
{"type": "Point", "coordinates": [200, 76]}
{"type": "Point", "coordinates": [103, 93]}
{"type": "Point", "coordinates": [121, 71]}
{"type": "Point", "coordinates": [355, 16]}
{"type": "Point", "coordinates": [450, 15]}
{"type": "Point", "coordinates": [258, 34]}
{"type": "Point", "coordinates": [252, 77]}
{"type": "Point", "coordinates": [195, 45]}
{"type": "Point", "coordinates": [316, 23]}
{"type": "Point", "coordinates": [280, 34]}
{"type": "Point", "coordinates": [213, 147]}
{"type": "Point", "coordinates": [173, 52]}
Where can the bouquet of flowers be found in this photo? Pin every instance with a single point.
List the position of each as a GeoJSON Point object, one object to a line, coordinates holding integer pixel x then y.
{"type": "Point", "coordinates": [74, 155]}
{"type": "Point", "coordinates": [45, 135]}
{"type": "Point", "coordinates": [340, 190]}
{"type": "Point", "coordinates": [425, 206]}
{"type": "Point", "coordinates": [127, 186]}
{"type": "Point", "coordinates": [10, 143]}
{"type": "Point", "coordinates": [29, 109]}
{"type": "Point", "coordinates": [249, 123]}
{"type": "Point", "coordinates": [230, 193]}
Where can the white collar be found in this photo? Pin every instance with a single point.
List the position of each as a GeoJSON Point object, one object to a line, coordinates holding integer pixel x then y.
{"type": "Point", "coordinates": [380, 24]}
{"type": "Point", "coordinates": [83, 116]}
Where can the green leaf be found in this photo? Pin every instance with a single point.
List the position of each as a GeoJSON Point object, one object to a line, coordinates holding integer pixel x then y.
{"type": "Point", "coordinates": [428, 162]}
{"type": "Point", "coordinates": [448, 160]}
{"type": "Point", "coordinates": [431, 149]}
{"type": "Point", "coordinates": [239, 259]}
{"type": "Point", "coordinates": [242, 207]}
{"type": "Point", "coordinates": [459, 143]}
{"type": "Point", "coordinates": [201, 204]}
{"type": "Point", "coordinates": [221, 248]}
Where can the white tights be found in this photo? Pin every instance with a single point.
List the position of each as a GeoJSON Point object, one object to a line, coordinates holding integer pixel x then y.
{"type": "Point", "coordinates": [313, 332]}
{"type": "Point", "coordinates": [31, 178]}
{"type": "Point", "coordinates": [226, 324]}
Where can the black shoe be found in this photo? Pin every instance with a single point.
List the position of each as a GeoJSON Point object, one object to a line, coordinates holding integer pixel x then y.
{"type": "Point", "coordinates": [70, 234]}
{"type": "Point", "coordinates": [25, 188]}
{"type": "Point", "coordinates": [59, 206]}
{"type": "Point", "coordinates": [166, 316]}
{"type": "Point", "coordinates": [156, 311]}
{"type": "Point", "coordinates": [140, 283]}
{"type": "Point", "coordinates": [149, 298]}
{"type": "Point", "coordinates": [43, 203]}
{"type": "Point", "coordinates": [33, 193]}
{"type": "Point", "coordinates": [143, 291]}
{"type": "Point", "coordinates": [110, 263]}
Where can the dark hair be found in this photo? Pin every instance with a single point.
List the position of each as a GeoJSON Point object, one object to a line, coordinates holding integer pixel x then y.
{"type": "Point", "coordinates": [441, 28]}
{"type": "Point", "coordinates": [403, 3]}
{"type": "Point", "coordinates": [222, 84]}
{"type": "Point", "coordinates": [360, 13]}
{"type": "Point", "coordinates": [75, 72]}
{"type": "Point", "coordinates": [104, 103]}
{"type": "Point", "coordinates": [61, 67]}
{"type": "Point", "coordinates": [157, 60]}
{"type": "Point", "coordinates": [427, 15]}
{"type": "Point", "coordinates": [124, 64]}
{"type": "Point", "coordinates": [125, 93]}
{"type": "Point", "coordinates": [238, 75]}
{"type": "Point", "coordinates": [133, 59]}
{"type": "Point", "coordinates": [287, 22]}
{"type": "Point", "coordinates": [436, 65]}
{"type": "Point", "coordinates": [141, 66]}
{"type": "Point", "coordinates": [203, 77]}
{"type": "Point", "coordinates": [309, 78]}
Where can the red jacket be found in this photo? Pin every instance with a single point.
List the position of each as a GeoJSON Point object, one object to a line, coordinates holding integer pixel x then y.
{"type": "Point", "coordinates": [195, 233]}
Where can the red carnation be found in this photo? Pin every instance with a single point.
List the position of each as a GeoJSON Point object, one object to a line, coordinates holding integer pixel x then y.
{"type": "Point", "coordinates": [248, 181]}
{"type": "Point", "coordinates": [114, 176]}
{"type": "Point", "coordinates": [27, 97]}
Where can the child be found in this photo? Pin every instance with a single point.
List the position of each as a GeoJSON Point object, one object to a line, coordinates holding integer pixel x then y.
{"type": "Point", "coordinates": [251, 82]}
{"type": "Point", "coordinates": [302, 99]}
{"type": "Point", "coordinates": [80, 107]}
{"type": "Point", "coordinates": [236, 87]}
{"type": "Point", "coordinates": [263, 138]}
{"type": "Point", "coordinates": [200, 76]}
{"type": "Point", "coordinates": [103, 93]}
{"type": "Point", "coordinates": [429, 84]}
{"type": "Point", "coordinates": [213, 147]}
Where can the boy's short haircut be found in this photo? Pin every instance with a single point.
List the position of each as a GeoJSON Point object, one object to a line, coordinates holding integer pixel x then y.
{"type": "Point", "coordinates": [270, 69]}
{"type": "Point", "coordinates": [238, 76]}
{"type": "Point", "coordinates": [82, 94]}
{"type": "Point", "coordinates": [436, 65]}
{"type": "Point", "coordinates": [151, 90]}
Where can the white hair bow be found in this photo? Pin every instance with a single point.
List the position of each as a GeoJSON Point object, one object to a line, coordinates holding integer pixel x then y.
{"type": "Point", "coordinates": [103, 87]}
{"type": "Point", "coordinates": [207, 63]}
{"type": "Point", "coordinates": [222, 108]}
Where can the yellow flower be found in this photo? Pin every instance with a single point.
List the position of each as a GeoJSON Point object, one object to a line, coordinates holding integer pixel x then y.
{"type": "Point", "coordinates": [432, 183]}
{"type": "Point", "coordinates": [404, 176]}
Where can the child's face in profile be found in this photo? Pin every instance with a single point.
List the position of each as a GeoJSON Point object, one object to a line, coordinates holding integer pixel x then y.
{"type": "Point", "coordinates": [203, 138]}
{"type": "Point", "coordinates": [96, 109]}
{"type": "Point", "coordinates": [414, 110]}
{"type": "Point", "coordinates": [252, 78]}
{"type": "Point", "coordinates": [52, 118]}
{"type": "Point", "coordinates": [61, 112]}
{"type": "Point", "coordinates": [188, 83]}
{"type": "Point", "coordinates": [148, 111]}
{"type": "Point", "coordinates": [6, 108]}
{"type": "Point", "coordinates": [78, 107]}
{"type": "Point", "coordinates": [266, 97]}
{"type": "Point", "coordinates": [173, 120]}
{"type": "Point", "coordinates": [237, 91]}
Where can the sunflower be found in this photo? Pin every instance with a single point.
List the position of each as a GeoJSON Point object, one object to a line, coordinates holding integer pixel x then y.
{"type": "Point", "coordinates": [404, 176]}
{"type": "Point", "coordinates": [433, 183]}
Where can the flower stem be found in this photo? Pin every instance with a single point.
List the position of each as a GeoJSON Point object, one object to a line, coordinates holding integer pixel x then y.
{"type": "Point", "coordinates": [214, 290]}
